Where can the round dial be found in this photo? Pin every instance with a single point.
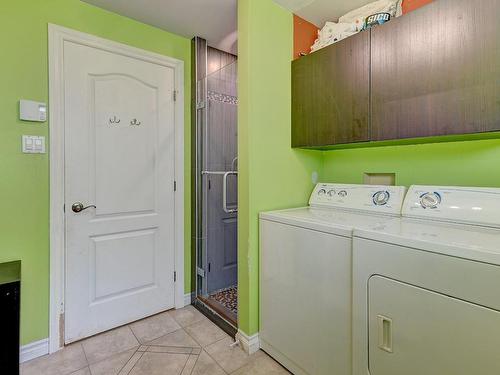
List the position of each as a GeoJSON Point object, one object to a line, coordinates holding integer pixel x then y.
{"type": "Point", "coordinates": [381, 198]}
{"type": "Point", "coordinates": [331, 193]}
{"type": "Point", "coordinates": [343, 193]}
{"type": "Point", "coordinates": [322, 192]}
{"type": "Point", "coordinates": [430, 200]}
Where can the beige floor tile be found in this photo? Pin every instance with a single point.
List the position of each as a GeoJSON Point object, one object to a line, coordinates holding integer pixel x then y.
{"type": "Point", "coordinates": [131, 363]}
{"type": "Point", "coordinates": [177, 338]}
{"type": "Point", "coordinates": [153, 327]}
{"type": "Point", "coordinates": [169, 349]}
{"type": "Point", "coordinates": [205, 365]}
{"type": "Point", "coordinates": [188, 368]}
{"type": "Point", "coordinates": [160, 364]}
{"type": "Point", "coordinates": [109, 343]}
{"type": "Point", "coordinates": [187, 315]}
{"type": "Point", "coordinates": [262, 364]}
{"type": "Point", "coordinates": [83, 371]}
{"type": "Point", "coordinates": [205, 332]}
{"type": "Point", "coordinates": [113, 364]}
{"type": "Point", "coordinates": [230, 358]}
{"type": "Point", "coordinates": [63, 362]}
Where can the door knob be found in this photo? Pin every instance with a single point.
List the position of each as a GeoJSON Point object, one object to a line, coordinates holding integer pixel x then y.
{"type": "Point", "coordinates": [78, 207]}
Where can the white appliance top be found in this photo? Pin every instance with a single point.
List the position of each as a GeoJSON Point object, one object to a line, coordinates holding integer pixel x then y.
{"type": "Point", "coordinates": [456, 221]}
{"type": "Point", "coordinates": [337, 222]}
{"type": "Point", "coordinates": [481, 244]}
{"type": "Point", "coordinates": [339, 208]}
{"type": "Point", "coordinates": [466, 205]}
{"type": "Point", "coordinates": [369, 198]}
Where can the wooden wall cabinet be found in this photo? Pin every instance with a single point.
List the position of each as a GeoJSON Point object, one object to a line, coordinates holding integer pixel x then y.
{"type": "Point", "coordinates": [432, 72]}
{"type": "Point", "coordinates": [330, 94]}
{"type": "Point", "coordinates": [436, 71]}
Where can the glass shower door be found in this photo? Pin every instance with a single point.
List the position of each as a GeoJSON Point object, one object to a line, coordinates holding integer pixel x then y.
{"type": "Point", "coordinates": [217, 281]}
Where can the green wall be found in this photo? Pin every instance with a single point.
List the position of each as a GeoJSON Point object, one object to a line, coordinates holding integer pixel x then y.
{"type": "Point", "coordinates": [469, 163]}
{"type": "Point", "coordinates": [24, 179]}
{"type": "Point", "coordinates": [272, 175]}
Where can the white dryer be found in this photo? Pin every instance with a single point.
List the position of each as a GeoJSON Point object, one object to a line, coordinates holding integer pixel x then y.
{"type": "Point", "coordinates": [305, 275]}
{"type": "Point", "coordinates": [426, 288]}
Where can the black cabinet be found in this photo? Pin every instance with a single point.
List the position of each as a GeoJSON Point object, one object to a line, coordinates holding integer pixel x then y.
{"type": "Point", "coordinates": [9, 317]}
{"type": "Point", "coordinates": [432, 72]}
{"type": "Point", "coordinates": [436, 71]}
{"type": "Point", "coordinates": [330, 94]}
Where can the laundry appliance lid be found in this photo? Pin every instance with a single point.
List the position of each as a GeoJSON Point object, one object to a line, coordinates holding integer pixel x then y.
{"type": "Point", "coordinates": [456, 221]}
{"type": "Point", "coordinates": [339, 222]}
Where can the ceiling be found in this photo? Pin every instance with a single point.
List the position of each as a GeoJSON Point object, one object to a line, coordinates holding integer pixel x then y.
{"type": "Point", "coordinates": [213, 20]}
{"type": "Point", "coordinates": [320, 11]}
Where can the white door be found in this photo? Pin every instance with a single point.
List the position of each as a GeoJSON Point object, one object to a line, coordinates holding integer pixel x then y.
{"type": "Point", "coordinates": [119, 152]}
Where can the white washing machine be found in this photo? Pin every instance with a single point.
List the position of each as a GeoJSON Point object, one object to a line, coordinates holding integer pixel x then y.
{"type": "Point", "coordinates": [426, 288]}
{"type": "Point", "coordinates": [305, 275]}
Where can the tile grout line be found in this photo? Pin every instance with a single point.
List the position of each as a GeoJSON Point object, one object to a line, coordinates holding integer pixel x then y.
{"type": "Point", "coordinates": [128, 360]}
{"type": "Point", "coordinates": [194, 366]}
{"type": "Point", "coordinates": [213, 359]}
{"type": "Point", "coordinates": [203, 347]}
{"type": "Point", "coordinates": [133, 333]}
{"type": "Point", "coordinates": [185, 364]}
{"type": "Point", "coordinates": [86, 358]}
{"type": "Point", "coordinates": [136, 362]}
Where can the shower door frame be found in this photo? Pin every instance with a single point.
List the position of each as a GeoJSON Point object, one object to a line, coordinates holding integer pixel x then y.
{"type": "Point", "coordinates": [200, 119]}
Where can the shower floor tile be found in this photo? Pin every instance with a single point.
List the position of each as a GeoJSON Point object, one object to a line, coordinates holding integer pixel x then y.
{"type": "Point", "coordinates": [225, 303]}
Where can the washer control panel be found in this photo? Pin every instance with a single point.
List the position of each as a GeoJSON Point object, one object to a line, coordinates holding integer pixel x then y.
{"type": "Point", "coordinates": [468, 205]}
{"type": "Point", "coordinates": [430, 200]}
{"type": "Point", "coordinates": [383, 199]}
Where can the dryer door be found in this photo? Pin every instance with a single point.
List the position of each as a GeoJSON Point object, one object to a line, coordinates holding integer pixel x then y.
{"type": "Point", "coordinates": [415, 331]}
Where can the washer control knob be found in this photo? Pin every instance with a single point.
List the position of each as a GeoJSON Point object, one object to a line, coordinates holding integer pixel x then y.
{"type": "Point", "coordinates": [381, 198]}
{"type": "Point", "coordinates": [343, 193]}
{"type": "Point", "coordinates": [331, 193]}
{"type": "Point", "coordinates": [322, 192]}
{"type": "Point", "coordinates": [430, 200]}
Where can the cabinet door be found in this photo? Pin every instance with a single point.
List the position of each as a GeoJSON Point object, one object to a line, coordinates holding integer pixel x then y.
{"type": "Point", "coordinates": [330, 94]}
{"type": "Point", "coordinates": [436, 71]}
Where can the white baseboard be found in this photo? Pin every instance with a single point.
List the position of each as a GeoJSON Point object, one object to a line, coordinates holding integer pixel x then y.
{"type": "Point", "coordinates": [250, 344]}
{"type": "Point", "coordinates": [188, 299]}
{"type": "Point", "coordinates": [34, 350]}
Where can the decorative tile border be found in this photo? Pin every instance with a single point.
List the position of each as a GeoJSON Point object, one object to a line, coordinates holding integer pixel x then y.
{"type": "Point", "coordinates": [212, 95]}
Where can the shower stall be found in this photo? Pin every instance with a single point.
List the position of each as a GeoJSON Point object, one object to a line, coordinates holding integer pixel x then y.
{"type": "Point", "coordinates": [215, 178]}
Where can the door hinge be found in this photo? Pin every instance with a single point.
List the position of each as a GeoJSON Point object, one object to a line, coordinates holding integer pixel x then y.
{"type": "Point", "coordinates": [209, 267]}
{"type": "Point", "coordinates": [175, 185]}
{"type": "Point", "coordinates": [64, 207]}
{"type": "Point", "coordinates": [200, 272]}
{"type": "Point", "coordinates": [175, 95]}
{"type": "Point", "coordinates": [175, 276]}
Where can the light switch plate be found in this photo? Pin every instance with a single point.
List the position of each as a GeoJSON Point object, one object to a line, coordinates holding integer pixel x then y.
{"type": "Point", "coordinates": [33, 144]}
{"type": "Point", "coordinates": [32, 111]}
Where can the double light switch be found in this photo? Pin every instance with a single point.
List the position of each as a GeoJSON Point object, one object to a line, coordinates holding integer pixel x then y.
{"type": "Point", "coordinates": [33, 144]}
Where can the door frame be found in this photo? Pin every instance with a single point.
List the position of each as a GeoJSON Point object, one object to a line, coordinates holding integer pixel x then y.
{"type": "Point", "coordinates": [57, 36]}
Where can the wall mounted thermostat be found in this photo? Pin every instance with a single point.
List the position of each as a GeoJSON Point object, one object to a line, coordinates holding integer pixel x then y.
{"type": "Point", "coordinates": [32, 111]}
{"type": "Point", "coordinates": [33, 144]}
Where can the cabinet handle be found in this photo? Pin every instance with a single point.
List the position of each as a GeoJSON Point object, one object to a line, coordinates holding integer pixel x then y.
{"type": "Point", "coordinates": [384, 333]}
